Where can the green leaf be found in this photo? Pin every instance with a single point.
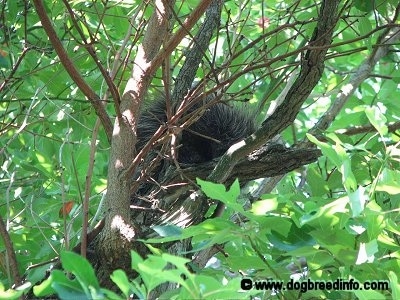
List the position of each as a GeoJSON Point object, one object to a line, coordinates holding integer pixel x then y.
{"type": "Point", "coordinates": [319, 186]}
{"type": "Point", "coordinates": [122, 281]}
{"type": "Point", "coordinates": [377, 119]}
{"type": "Point", "coordinates": [262, 207]}
{"type": "Point", "coordinates": [56, 279]}
{"type": "Point", "coordinates": [389, 182]}
{"type": "Point", "coordinates": [348, 178]}
{"type": "Point", "coordinates": [394, 285]}
{"type": "Point", "coordinates": [66, 290]}
{"type": "Point", "coordinates": [278, 224]}
{"type": "Point", "coordinates": [365, 28]}
{"type": "Point", "coordinates": [326, 216]}
{"type": "Point", "coordinates": [338, 155]}
{"type": "Point", "coordinates": [208, 227]}
{"type": "Point", "coordinates": [357, 201]}
{"type": "Point", "coordinates": [218, 192]}
{"type": "Point", "coordinates": [297, 238]}
{"type": "Point", "coordinates": [11, 293]}
{"type": "Point", "coordinates": [326, 149]}
{"type": "Point", "coordinates": [136, 259]}
{"type": "Point", "coordinates": [81, 268]}
{"type": "Point", "coordinates": [111, 295]}
{"type": "Point", "coordinates": [364, 5]}
{"type": "Point", "coordinates": [4, 62]}
{"type": "Point", "coordinates": [213, 231]}
{"type": "Point", "coordinates": [369, 294]}
{"type": "Point", "coordinates": [154, 270]}
{"type": "Point", "coordinates": [79, 288]}
{"type": "Point", "coordinates": [355, 226]}
{"type": "Point", "coordinates": [367, 251]}
{"type": "Point", "coordinates": [167, 230]}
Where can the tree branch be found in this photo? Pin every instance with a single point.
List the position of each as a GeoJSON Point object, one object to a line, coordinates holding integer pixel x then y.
{"type": "Point", "coordinates": [12, 260]}
{"type": "Point", "coordinates": [265, 162]}
{"type": "Point", "coordinates": [71, 69]}
{"type": "Point", "coordinates": [312, 66]}
{"type": "Point", "coordinates": [367, 129]}
{"type": "Point", "coordinates": [89, 48]}
{"type": "Point", "coordinates": [179, 35]}
{"type": "Point", "coordinates": [120, 234]}
{"type": "Point", "coordinates": [195, 55]}
{"type": "Point", "coordinates": [359, 75]}
{"type": "Point", "coordinates": [175, 195]}
{"type": "Point", "coordinates": [119, 231]}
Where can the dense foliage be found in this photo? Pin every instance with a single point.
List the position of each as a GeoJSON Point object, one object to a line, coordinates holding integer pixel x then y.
{"type": "Point", "coordinates": [334, 219]}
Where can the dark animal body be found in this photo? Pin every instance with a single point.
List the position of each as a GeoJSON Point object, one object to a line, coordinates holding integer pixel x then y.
{"type": "Point", "coordinates": [216, 129]}
{"type": "Point", "coordinates": [219, 127]}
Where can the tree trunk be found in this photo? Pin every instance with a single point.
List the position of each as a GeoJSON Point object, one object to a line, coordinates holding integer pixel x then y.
{"type": "Point", "coordinates": [182, 205]}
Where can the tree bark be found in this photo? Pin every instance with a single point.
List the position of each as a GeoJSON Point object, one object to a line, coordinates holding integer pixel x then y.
{"type": "Point", "coordinates": [119, 235]}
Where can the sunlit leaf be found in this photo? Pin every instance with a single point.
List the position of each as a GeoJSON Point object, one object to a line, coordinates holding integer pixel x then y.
{"type": "Point", "coordinates": [377, 119]}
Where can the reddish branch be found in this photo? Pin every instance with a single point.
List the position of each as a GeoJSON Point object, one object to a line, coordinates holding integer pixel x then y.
{"type": "Point", "coordinates": [12, 260]}
{"type": "Point", "coordinates": [72, 70]}
{"type": "Point", "coordinates": [89, 47]}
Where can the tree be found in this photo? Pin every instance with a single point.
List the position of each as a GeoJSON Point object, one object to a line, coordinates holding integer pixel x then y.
{"type": "Point", "coordinates": [320, 79]}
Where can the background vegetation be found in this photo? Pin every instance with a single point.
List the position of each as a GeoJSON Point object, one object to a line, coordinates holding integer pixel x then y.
{"type": "Point", "coordinates": [335, 218]}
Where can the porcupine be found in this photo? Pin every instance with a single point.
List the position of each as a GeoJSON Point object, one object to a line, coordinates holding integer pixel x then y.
{"type": "Point", "coordinates": [220, 126]}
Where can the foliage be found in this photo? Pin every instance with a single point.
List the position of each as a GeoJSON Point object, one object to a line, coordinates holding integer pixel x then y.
{"type": "Point", "coordinates": [348, 236]}
{"type": "Point", "coordinates": [83, 286]}
{"type": "Point", "coordinates": [340, 215]}
{"type": "Point", "coordinates": [343, 238]}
